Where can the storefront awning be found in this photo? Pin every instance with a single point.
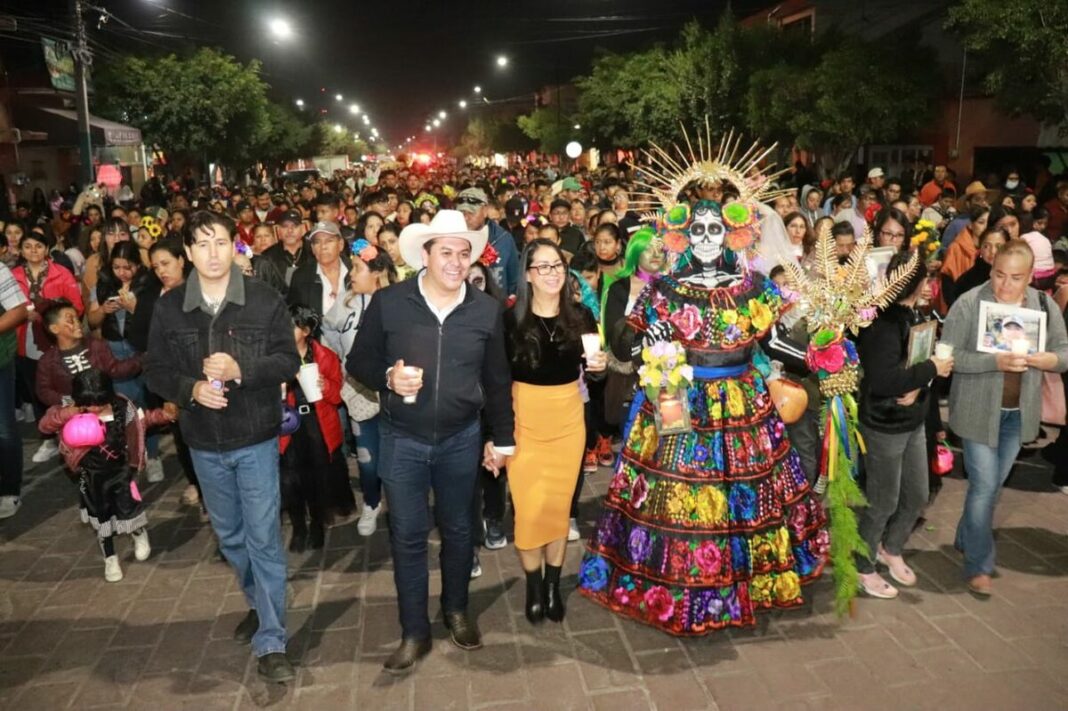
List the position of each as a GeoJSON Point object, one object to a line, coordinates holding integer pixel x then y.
{"type": "Point", "coordinates": [61, 126]}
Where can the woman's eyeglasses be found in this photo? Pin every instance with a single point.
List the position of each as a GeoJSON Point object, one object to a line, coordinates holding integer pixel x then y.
{"type": "Point", "coordinates": [547, 269]}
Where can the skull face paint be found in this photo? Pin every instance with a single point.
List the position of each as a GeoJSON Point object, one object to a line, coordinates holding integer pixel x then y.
{"type": "Point", "coordinates": [707, 232]}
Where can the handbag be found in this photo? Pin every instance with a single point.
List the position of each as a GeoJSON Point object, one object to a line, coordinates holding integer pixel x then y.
{"type": "Point", "coordinates": [361, 402]}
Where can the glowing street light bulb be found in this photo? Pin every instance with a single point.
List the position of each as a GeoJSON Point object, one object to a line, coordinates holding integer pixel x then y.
{"type": "Point", "coordinates": [280, 28]}
{"type": "Point", "coordinates": [502, 61]}
{"type": "Point", "coordinates": [354, 109]}
{"type": "Point", "coordinates": [441, 115]}
{"type": "Point", "coordinates": [436, 123]}
{"type": "Point", "coordinates": [300, 103]}
{"type": "Point", "coordinates": [463, 104]}
{"type": "Point", "coordinates": [366, 120]}
{"type": "Point", "coordinates": [339, 128]}
{"type": "Point", "coordinates": [478, 89]}
{"type": "Point", "coordinates": [338, 97]}
{"type": "Point", "coordinates": [428, 129]}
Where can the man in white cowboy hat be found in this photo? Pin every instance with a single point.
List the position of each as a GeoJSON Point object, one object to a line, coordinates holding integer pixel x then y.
{"type": "Point", "coordinates": [434, 349]}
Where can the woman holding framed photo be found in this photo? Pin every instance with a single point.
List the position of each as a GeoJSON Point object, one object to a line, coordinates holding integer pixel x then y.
{"type": "Point", "coordinates": [995, 401]}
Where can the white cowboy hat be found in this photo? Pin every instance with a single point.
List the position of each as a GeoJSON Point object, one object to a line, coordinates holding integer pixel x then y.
{"type": "Point", "coordinates": [446, 223]}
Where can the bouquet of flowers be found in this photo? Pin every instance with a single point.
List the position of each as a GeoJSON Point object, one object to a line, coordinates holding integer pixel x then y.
{"type": "Point", "coordinates": [925, 240]}
{"type": "Point", "coordinates": [664, 368]}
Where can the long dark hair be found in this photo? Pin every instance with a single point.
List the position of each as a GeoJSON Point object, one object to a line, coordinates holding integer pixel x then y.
{"type": "Point", "coordinates": [525, 338]}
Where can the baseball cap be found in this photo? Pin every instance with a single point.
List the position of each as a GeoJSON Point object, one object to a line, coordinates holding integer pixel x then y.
{"type": "Point", "coordinates": [243, 205]}
{"type": "Point", "coordinates": [876, 173]}
{"type": "Point", "coordinates": [291, 216]}
{"type": "Point", "coordinates": [327, 227]}
{"type": "Point", "coordinates": [1012, 321]}
{"type": "Point", "coordinates": [571, 184]}
{"type": "Point", "coordinates": [514, 209]}
{"type": "Point", "coordinates": [471, 199]}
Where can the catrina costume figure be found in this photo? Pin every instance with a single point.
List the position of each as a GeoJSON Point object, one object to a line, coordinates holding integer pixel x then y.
{"type": "Point", "coordinates": [708, 517]}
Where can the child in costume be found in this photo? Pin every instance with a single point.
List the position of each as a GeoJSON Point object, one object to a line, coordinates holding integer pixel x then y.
{"type": "Point", "coordinates": [103, 445]}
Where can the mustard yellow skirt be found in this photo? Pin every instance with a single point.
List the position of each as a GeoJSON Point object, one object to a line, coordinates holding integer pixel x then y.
{"type": "Point", "coordinates": [550, 436]}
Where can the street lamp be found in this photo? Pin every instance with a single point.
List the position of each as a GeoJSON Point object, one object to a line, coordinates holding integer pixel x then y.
{"type": "Point", "coordinates": [366, 120]}
{"type": "Point", "coordinates": [463, 104]}
{"type": "Point", "coordinates": [578, 126]}
{"type": "Point", "coordinates": [338, 128]}
{"type": "Point", "coordinates": [428, 128]}
{"type": "Point", "coordinates": [280, 28]}
{"type": "Point", "coordinates": [478, 89]}
{"type": "Point", "coordinates": [338, 97]}
{"type": "Point", "coordinates": [354, 109]}
{"type": "Point", "coordinates": [436, 123]}
{"type": "Point", "coordinates": [441, 115]}
{"type": "Point", "coordinates": [502, 61]}
{"type": "Point", "coordinates": [300, 103]}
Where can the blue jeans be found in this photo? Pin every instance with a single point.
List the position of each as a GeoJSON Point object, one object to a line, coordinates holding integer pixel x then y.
{"type": "Point", "coordinates": [10, 439]}
{"type": "Point", "coordinates": [410, 469]}
{"type": "Point", "coordinates": [242, 496]}
{"type": "Point", "coordinates": [988, 468]}
{"type": "Point", "coordinates": [134, 389]}
{"type": "Point", "coordinates": [367, 455]}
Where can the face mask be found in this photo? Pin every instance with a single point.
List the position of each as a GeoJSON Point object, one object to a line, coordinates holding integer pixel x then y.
{"type": "Point", "coordinates": [1012, 184]}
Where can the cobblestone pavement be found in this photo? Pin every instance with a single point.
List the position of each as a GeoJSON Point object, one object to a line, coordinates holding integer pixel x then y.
{"type": "Point", "coordinates": [160, 639]}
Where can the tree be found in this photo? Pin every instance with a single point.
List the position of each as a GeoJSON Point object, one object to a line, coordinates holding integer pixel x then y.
{"type": "Point", "coordinates": [288, 135]}
{"type": "Point", "coordinates": [549, 127]}
{"type": "Point", "coordinates": [205, 106]}
{"type": "Point", "coordinates": [328, 141]}
{"type": "Point", "coordinates": [856, 94]}
{"type": "Point", "coordinates": [1023, 52]}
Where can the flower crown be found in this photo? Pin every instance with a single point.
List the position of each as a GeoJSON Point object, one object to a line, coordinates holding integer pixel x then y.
{"type": "Point", "coordinates": [364, 250]}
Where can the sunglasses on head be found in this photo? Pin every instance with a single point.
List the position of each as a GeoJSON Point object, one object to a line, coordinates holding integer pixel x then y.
{"type": "Point", "coordinates": [469, 201]}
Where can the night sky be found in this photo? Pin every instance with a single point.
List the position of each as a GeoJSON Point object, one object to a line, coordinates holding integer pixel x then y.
{"type": "Point", "coordinates": [400, 61]}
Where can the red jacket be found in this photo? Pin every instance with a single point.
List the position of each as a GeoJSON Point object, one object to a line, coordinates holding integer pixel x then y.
{"type": "Point", "coordinates": [59, 283]}
{"type": "Point", "coordinates": [326, 409]}
{"type": "Point", "coordinates": [54, 382]}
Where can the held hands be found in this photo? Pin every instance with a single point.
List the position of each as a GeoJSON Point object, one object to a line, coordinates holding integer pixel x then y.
{"type": "Point", "coordinates": [1012, 363]}
{"type": "Point", "coordinates": [492, 460]}
{"type": "Point", "coordinates": [209, 396]}
{"type": "Point", "coordinates": [402, 381]}
{"type": "Point", "coordinates": [221, 366]}
{"type": "Point", "coordinates": [597, 362]}
{"type": "Point", "coordinates": [944, 366]}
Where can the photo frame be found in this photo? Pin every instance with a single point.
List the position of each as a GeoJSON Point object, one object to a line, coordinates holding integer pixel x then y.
{"type": "Point", "coordinates": [876, 261]}
{"type": "Point", "coordinates": [922, 339]}
{"type": "Point", "coordinates": [1001, 324]}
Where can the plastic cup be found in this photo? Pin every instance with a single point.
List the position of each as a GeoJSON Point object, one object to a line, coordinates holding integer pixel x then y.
{"type": "Point", "coordinates": [308, 377]}
{"type": "Point", "coordinates": [591, 344]}
{"type": "Point", "coordinates": [943, 351]}
{"type": "Point", "coordinates": [1020, 347]}
{"type": "Point", "coordinates": [412, 371]}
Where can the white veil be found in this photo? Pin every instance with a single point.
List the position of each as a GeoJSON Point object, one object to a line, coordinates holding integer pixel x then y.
{"type": "Point", "coordinates": [774, 247]}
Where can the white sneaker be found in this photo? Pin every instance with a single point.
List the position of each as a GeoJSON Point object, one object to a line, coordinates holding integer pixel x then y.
{"type": "Point", "coordinates": [18, 415]}
{"type": "Point", "coordinates": [153, 470]}
{"type": "Point", "coordinates": [876, 586]}
{"type": "Point", "coordinates": [46, 451]}
{"type": "Point", "coordinates": [572, 530]}
{"type": "Point", "coordinates": [112, 569]}
{"type": "Point", "coordinates": [9, 505]}
{"type": "Point", "coordinates": [27, 413]}
{"type": "Point", "coordinates": [142, 548]}
{"type": "Point", "coordinates": [1063, 489]}
{"type": "Point", "coordinates": [368, 522]}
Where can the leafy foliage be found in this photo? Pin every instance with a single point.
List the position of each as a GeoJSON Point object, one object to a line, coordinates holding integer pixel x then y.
{"type": "Point", "coordinates": [551, 129]}
{"type": "Point", "coordinates": [1022, 48]}
{"type": "Point", "coordinates": [488, 134]}
{"type": "Point", "coordinates": [328, 141]}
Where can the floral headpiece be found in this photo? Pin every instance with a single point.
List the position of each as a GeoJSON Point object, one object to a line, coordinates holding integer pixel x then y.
{"type": "Point", "coordinates": [490, 255]}
{"type": "Point", "coordinates": [364, 250]}
{"type": "Point", "coordinates": [151, 226]}
{"type": "Point", "coordinates": [241, 247]}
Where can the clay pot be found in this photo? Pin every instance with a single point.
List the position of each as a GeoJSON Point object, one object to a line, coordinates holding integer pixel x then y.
{"type": "Point", "coordinates": [789, 397]}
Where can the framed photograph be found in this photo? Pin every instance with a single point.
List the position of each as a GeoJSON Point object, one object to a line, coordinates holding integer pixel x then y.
{"type": "Point", "coordinates": [922, 342]}
{"type": "Point", "coordinates": [1001, 326]}
{"type": "Point", "coordinates": [876, 261]}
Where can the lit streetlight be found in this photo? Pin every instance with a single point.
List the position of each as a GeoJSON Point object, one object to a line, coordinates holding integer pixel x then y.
{"type": "Point", "coordinates": [339, 97]}
{"type": "Point", "coordinates": [366, 120]}
{"type": "Point", "coordinates": [463, 104]}
{"type": "Point", "coordinates": [478, 89]}
{"type": "Point", "coordinates": [300, 103]}
{"type": "Point", "coordinates": [436, 123]}
{"type": "Point", "coordinates": [354, 109]}
{"type": "Point", "coordinates": [280, 28]}
{"type": "Point", "coordinates": [502, 61]}
{"type": "Point", "coordinates": [578, 126]}
{"type": "Point", "coordinates": [428, 128]}
{"type": "Point", "coordinates": [338, 128]}
{"type": "Point", "coordinates": [441, 115]}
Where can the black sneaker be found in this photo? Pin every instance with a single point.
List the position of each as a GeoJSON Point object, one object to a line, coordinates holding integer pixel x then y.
{"type": "Point", "coordinates": [247, 627]}
{"type": "Point", "coordinates": [276, 668]}
{"type": "Point", "coordinates": [495, 538]}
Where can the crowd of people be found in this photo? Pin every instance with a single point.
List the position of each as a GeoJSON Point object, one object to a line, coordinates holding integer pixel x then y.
{"type": "Point", "coordinates": [473, 341]}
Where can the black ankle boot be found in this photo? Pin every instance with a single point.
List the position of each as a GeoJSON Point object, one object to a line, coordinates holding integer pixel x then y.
{"type": "Point", "coordinates": [298, 542]}
{"type": "Point", "coordinates": [535, 608]}
{"type": "Point", "coordinates": [316, 536]}
{"type": "Point", "coordinates": [554, 604]}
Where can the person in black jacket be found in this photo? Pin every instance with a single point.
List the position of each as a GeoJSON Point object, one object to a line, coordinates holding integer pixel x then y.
{"type": "Point", "coordinates": [893, 408]}
{"type": "Point", "coordinates": [434, 349]}
{"type": "Point", "coordinates": [220, 346]}
{"type": "Point", "coordinates": [279, 262]}
{"type": "Point", "coordinates": [319, 283]}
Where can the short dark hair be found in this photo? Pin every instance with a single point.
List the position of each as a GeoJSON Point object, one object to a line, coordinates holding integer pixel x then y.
{"type": "Point", "coordinates": [206, 221]}
{"type": "Point", "coordinates": [558, 203]}
{"type": "Point", "coordinates": [327, 199]}
{"type": "Point", "coordinates": [92, 387]}
{"type": "Point", "coordinates": [843, 228]}
{"type": "Point", "coordinates": [51, 313]}
{"type": "Point", "coordinates": [372, 197]}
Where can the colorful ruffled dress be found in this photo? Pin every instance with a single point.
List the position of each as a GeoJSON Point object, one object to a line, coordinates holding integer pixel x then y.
{"type": "Point", "coordinates": [702, 529]}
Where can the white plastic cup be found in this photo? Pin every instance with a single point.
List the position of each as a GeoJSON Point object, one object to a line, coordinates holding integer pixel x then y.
{"type": "Point", "coordinates": [412, 371]}
{"type": "Point", "coordinates": [943, 351]}
{"type": "Point", "coordinates": [1020, 347]}
{"type": "Point", "coordinates": [308, 377]}
{"type": "Point", "coordinates": [591, 344]}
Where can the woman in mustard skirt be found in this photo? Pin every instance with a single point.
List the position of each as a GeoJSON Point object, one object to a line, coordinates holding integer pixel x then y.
{"type": "Point", "coordinates": [544, 337]}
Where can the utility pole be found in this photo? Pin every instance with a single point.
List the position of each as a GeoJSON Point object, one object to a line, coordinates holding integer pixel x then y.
{"type": "Point", "coordinates": [83, 59]}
